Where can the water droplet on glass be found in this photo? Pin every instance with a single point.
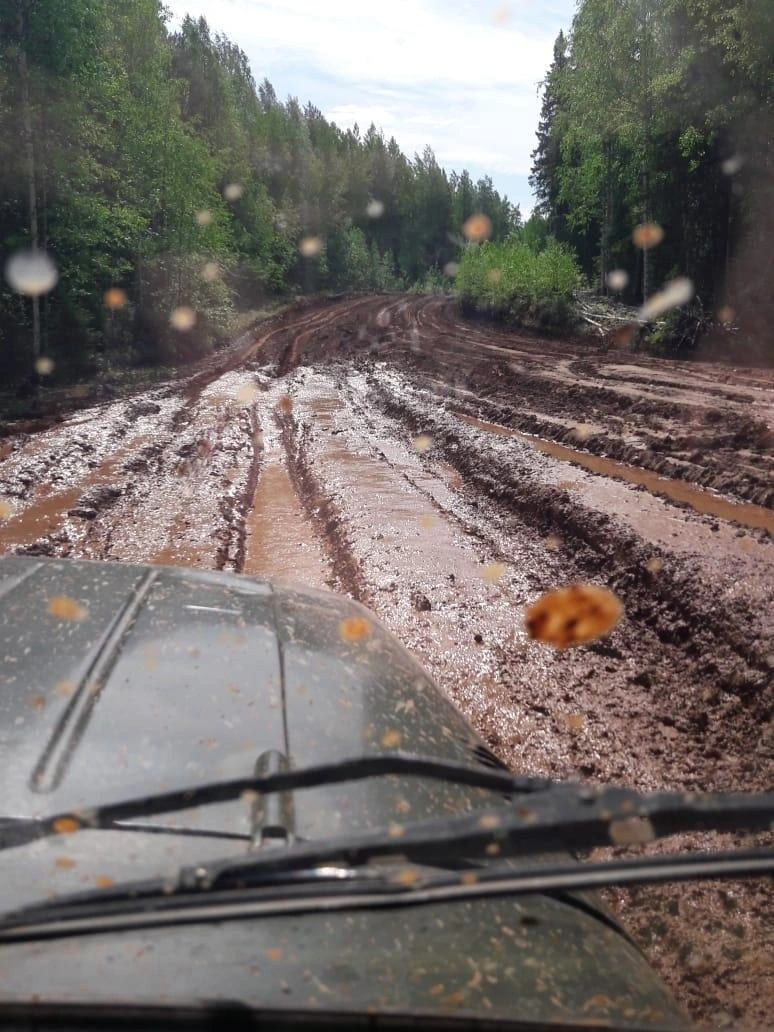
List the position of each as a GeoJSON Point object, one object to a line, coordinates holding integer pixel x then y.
{"type": "Point", "coordinates": [574, 615]}
{"type": "Point", "coordinates": [310, 247]}
{"type": "Point", "coordinates": [31, 272]}
{"type": "Point", "coordinates": [726, 315]}
{"type": "Point", "coordinates": [183, 318]}
{"type": "Point", "coordinates": [647, 235]}
{"type": "Point", "coordinates": [477, 228]}
{"type": "Point", "coordinates": [494, 276]}
{"type": "Point", "coordinates": [423, 443]}
{"type": "Point", "coordinates": [354, 628]}
{"type": "Point", "coordinates": [622, 336]}
{"type": "Point", "coordinates": [553, 542]}
{"type": "Point", "coordinates": [204, 217]}
{"type": "Point", "coordinates": [493, 572]}
{"type": "Point", "coordinates": [44, 366]}
{"type": "Point", "coordinates": [246, 394]}
{"type": "Point", "coordinates": [66, 825]}
{"type": "Point", "coordinates": [451, 269]}
{"type": "Point", "coordinates": [575, 722]}
{"type": "Point", "coordinates": [675, 293]}
{"type": "Point", "coordinates": [210, 271]}
{"type": "Point", "coordinates": [582, 432]}
{"type": "Point", "coordinates": [375, 209]}
{"type": "Point", "coordinates": [654, 565]}
{"type": "Point", "coordinates": [631, 831]}
{"type": "Point", "coordinates": [233, 191]}
{"type": "Point", "coordinates": [501, 14]}
{"type": "Point", "coordinates": [408, 877]}
{"type": "Point", "coordinates": [383, 318]}
{"type": "Point", "coordinates": [6, 509]}
{"type": "Point", "coordinates": [618, 279]}
{"type": "Point", "coordinates": [391, 739]}
{"type": "Point", "coordinates": [64, 608]}
{"type": "Point", "coordinates": [732, 165]}
{"type": "Point", "coordinates": [114, 298]}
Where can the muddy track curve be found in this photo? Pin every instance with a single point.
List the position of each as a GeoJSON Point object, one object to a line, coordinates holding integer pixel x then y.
{"type": "Point", "coordinates": [294, 455]}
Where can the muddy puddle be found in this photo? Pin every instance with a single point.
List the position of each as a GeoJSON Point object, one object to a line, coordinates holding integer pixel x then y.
{"type": "Point", "coordinates": [753, 516]}
{"type": "Point", "coordinates": [280, 543]}
{"type": "Point", "coordinates": [49, 509]}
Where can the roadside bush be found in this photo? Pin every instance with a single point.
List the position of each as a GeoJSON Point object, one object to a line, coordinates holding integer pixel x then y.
{"type": "Point", "coordinates": [510, 281]}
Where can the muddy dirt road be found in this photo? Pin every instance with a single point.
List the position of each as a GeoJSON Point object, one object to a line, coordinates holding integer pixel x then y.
{"type": "Point", "coordinates": [446, 474]}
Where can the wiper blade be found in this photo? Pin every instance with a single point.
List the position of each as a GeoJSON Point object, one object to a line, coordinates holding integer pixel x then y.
{"type": "Point", "coordinates": [317, 891]}
{"type": "Point", "coordinates": [577, 817]}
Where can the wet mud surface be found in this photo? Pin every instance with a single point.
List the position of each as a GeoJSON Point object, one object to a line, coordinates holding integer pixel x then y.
{"type": "Point", "coordinates": [446, 475]}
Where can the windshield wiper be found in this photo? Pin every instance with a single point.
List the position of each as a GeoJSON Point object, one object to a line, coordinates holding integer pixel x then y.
{"type": "Point", "coordinates": [212, 792]}
{"type": "Point", "coordinates": [568, 815]}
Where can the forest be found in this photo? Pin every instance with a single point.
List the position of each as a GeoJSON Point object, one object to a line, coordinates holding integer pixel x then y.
{"type": "Point", "coordinates": [161, 179]}
{"type": "Point", "coordinates": [173, 192]}
{"type": "Point", "coordinates": [662, 112]}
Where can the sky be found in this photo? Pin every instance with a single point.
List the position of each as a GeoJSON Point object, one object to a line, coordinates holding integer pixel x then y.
{"type": "Point", "coordinates": [459, 75]}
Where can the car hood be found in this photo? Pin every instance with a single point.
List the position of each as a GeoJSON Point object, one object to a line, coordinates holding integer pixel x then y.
{"type": "Point", "coordinates": [120, 681]}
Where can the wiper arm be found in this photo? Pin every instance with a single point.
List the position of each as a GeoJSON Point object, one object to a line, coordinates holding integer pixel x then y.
{"type": "Point", "coordinates": [355, 769]}
{"type": "Point", "coordinates": [574, 816]}
{"type": "Point", "coordinates": [18, 831]}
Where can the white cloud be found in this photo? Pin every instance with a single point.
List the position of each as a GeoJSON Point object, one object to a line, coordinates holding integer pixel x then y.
{"type": "Point", "coordinates": [447, 75]}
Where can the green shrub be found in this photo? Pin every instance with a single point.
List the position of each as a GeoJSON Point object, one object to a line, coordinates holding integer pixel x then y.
{"type": "Point", "coordinates": [509, 281]}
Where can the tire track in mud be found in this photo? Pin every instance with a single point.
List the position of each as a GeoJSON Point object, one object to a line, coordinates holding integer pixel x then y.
{"type": "Point", "coordinates": [677, 696]}
{"type": "Point", "coordinates": [511, 375]}
{"type": "Point", "coordinates": [322, 512]}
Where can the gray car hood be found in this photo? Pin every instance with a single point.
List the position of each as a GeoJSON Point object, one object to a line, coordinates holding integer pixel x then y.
{"type": "Point", "coordinates": [119, 681]}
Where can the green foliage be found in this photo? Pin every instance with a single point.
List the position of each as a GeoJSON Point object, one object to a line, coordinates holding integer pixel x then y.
{"type": "Point", "coordinates": [642, 104]}
{"type": "Point", "coordinates": [511, 281]}
{"type": "Point", "coordinates": [119, 141]}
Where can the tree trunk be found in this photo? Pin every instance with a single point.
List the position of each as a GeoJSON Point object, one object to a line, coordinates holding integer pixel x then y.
{"type": "Point", "coordinates": [29, 153]}
{"type": "Point", "coordinates": [646, 220]}
{"type": "Point", "coordinates": [607, 217]}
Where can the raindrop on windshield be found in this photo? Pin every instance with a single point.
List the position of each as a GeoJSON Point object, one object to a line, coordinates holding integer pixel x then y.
{"type": "Point", "coordinates": [310, 246]}
{"type": "Point", "coordinates": [64, 608]}
{"type": "Point", "coordinates": [31, 272]}
{"type": "Point", "coordinates": [183, 318]}
{"type": "Point", "coordinates": [732, 165]}
{"type": "Point", "coordinates": [204, 217]}
{"type": "Point", "coordinates": [354, 628]}
{"type": "Point", "coordinates": [375, 209]}
{"type": "Point", "coordinates": [574, 615]}
{"type": "Point", "coordinates": [477, 228]}
{"type": "Point", "coordinates": [233, 191]}
{"type": "Point", "coordinates": [114, 298]}
{"type": "Point", "coordinates": [44, 366]}
{"type": "Point", "coordinates": [648, 235]}
{"type": "Point", "coordinates": [677, 292]}
{"type": "Point", "coordinates": [618, 279]}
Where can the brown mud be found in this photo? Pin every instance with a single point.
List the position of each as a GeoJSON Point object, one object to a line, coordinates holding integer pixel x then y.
{"type": "Point", "coordinates": [447, 474]}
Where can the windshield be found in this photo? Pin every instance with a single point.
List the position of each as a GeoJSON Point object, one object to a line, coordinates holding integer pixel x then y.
{"type": "Point", "coordinates": [461, 312]}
